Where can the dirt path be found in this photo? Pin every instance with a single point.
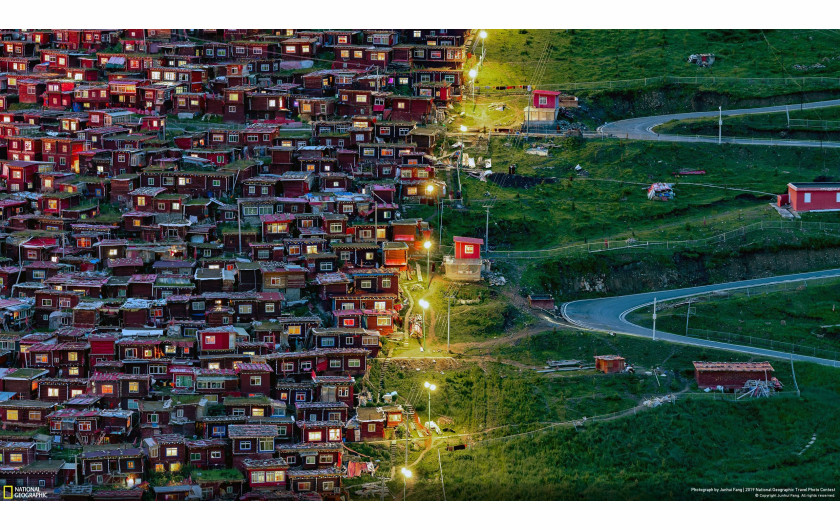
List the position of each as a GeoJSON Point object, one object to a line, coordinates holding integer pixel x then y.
{"type": "Point", "coordinates": [464, 347]}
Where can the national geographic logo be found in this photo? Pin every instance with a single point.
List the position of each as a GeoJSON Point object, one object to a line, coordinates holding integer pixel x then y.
{"type": "Point", "coordinates": [22, 492]}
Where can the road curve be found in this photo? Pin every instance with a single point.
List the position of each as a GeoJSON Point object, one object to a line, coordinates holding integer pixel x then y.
{"type": "Point", "coordinates": [609, 314]}
{"type": "Point", "coordinates": [642, 128]}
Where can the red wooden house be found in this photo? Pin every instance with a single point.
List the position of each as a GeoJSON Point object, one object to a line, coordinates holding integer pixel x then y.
{"type": "Point", "coordinates": [166, 452]}
{"type": "Point", "coordinates": [812, 196]}
{"type": "Point", "coordinates": [121, 467]}
{"type": "Point", "coordinates": [266, 473]}
{"type": "Point", "coordinates": [254, 378]}
{"type": "Point", "coordinates": [207, 454]}
{"type": "Point", "coordinates": [609, 364]}
{"type": "Point", "coordinates": [251, 442]}
{"type": "Point", "coordinates": [731, 376]}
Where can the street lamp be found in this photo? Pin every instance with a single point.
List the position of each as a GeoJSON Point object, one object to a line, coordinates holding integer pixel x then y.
{"type": "Point", "coordinates": [425, 305]}
{"type": "Point", "coordinates": [406, 473]}
{"type": "Point", "coordinates": [430, 387]}
{"type": "Point", "coordinates": [428, 246]}
{"type": "Point", "coordinates": [463, 128]}
{"type": "Point", "coordinates": [482, 35]}
{"type": "Point", "coordinates": [473, 74]}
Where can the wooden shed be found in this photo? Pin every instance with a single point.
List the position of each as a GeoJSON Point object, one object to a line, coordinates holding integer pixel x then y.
{"type": "Point", "coordinates": [730, 376]}
{"type": "Point", "coordinates": [609, 364]}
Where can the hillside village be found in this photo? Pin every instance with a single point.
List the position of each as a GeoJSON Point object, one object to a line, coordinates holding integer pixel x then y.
{"type": "Point", "coordinates": [207, 295]}
{"type": "Point", "coordinates": [286, 265]}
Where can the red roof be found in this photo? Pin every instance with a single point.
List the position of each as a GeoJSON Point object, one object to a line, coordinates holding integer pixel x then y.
{"type": "Point", "coordinates": [763, 366]}
{"type": "Point", "coordinates": [253, 367]}
{"type": "Point", "coordinates": [470, 240]}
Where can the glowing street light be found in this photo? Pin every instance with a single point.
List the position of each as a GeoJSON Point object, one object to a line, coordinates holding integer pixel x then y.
{"type": "Point", "coordinates": [482, 35]}
{"type": "Point", "coordinates": [406, 473]}
{"type": "Point", "coordinates": [473, 73]}
{"type": "Point", "coordinates": [425, 305]}
{"type": "Point", "coordinates": [430, 386]}
{"type": "Point", "coordinates": [463, 128]}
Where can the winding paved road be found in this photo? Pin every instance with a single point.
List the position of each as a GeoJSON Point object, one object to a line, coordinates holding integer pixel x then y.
{"type": "Point", "coordinates": [642, 128]}
{"type": "Point", "coordinates": [609, 314]}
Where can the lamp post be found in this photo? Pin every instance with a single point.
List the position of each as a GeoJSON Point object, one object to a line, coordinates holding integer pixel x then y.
{"type": "Point", "coordinates": [473, 74]}
{"type": "Point", "coordinates": [425, 305]}
{"type": "Point", "coordinates": [428, 246]}
{"type": "Point", "coordinates": [430, 387]}
{"type": "Point", "coordinates": [482, 35]}
{"type": "Point", "coordinates": [406, 473]}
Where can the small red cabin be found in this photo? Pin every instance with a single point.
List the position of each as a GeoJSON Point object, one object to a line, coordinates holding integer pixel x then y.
{"type": "Point", "coordinates": [609, 364]}
{"type": "Point", "coordinates": [467, 247]}
{"type": "Point", "coordinates": [814, 196]}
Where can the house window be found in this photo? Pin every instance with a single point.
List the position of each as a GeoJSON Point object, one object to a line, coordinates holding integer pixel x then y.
{"type": "Point", "coordinates": [107, 389]}
{"type": "Point", "coordinates": [245, 309]}
{"type": "Point", "coordinates": [543, 100]}
{"type": "Point", "coordinates": [335, 363]}
{"type": "Point", "coordinates": [313, 436]}
{"type": "Point", "coordinates": [256, 380]}
{"type": "Point", "coordinates": [357, 363]}
{"type": "Point", "coordinates": [266, 444]}
{"type": "Point", "coordinates": [366, 284]}
{"type": "Point", "coordinates": [96, 466]}
{"type": "Point", "coordinates": [133, 387]}
{"type": "Point", "coordinates": [807, 197]}
{"type": "Point", "coordinates": [469, 249]}
{"type": "Point", "coordinates": [171, 451]}
{"type": "Point", "coordinates": [334, 435]}
{"type": "Point", "coordinates": [245, 446]}
{"type": "Point", "coordinates": [371, 427]}
{"type": "Point", "coordinates": [293, 330]}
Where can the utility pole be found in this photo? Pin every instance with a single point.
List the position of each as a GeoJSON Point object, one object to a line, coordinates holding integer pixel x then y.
{"type": "Point", "coordinates": [720, 123]}
{"type": "Point", "coordinates": [239, 222]}
{"type": "Point", "coordinates": [440, 225]}
{"type": "Point", "coordinates": [787, 113]}
{"type": "Point", "coordinates": [487, 229]}
{"type": "Point", "coordinates": [448, 306]}
{"type": "Point", "coordinates": [440, 466]}
{"type": "Point", "coordinates": [654, 319]}
{"type": "Point", "coordinates": [687, 314]}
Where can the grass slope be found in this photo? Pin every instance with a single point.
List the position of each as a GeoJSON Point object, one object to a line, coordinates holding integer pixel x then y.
{"type": "Point", "coordinates": [567, 211]}
{"type": "Point", "coordinates": [656, 454]}
{"type": "Point", "coordinates": [593, 55]}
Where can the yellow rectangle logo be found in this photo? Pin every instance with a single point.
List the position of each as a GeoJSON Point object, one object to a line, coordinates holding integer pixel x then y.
{"type": "Point", "coordinates": [8, 492]}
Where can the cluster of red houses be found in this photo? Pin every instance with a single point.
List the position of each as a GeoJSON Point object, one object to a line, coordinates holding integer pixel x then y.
{"type": "Point", "coordinates": [205, 304]}
{"type": "Point", "coordinates": [275, 75]}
